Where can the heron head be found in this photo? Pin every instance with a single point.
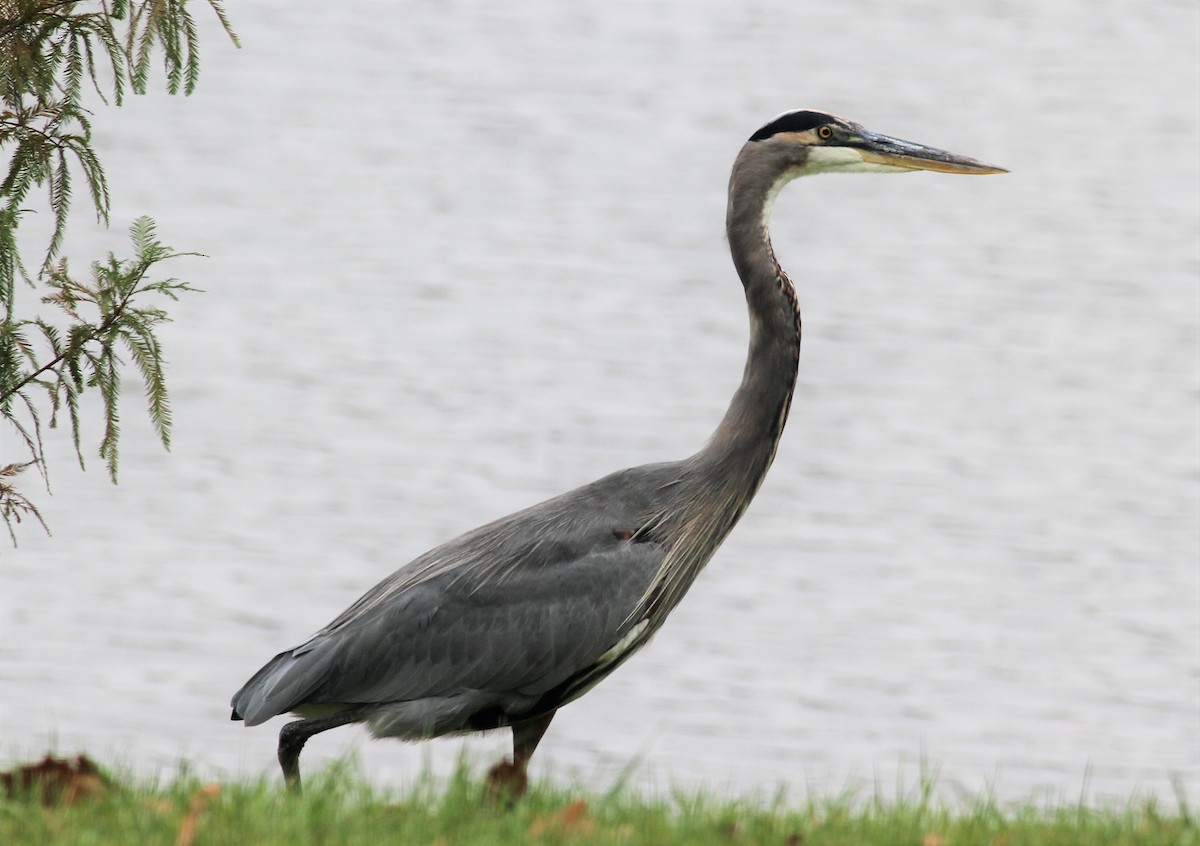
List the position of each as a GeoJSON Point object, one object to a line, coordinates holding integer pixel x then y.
{"type": "Point", "coordinates": [825, 143]}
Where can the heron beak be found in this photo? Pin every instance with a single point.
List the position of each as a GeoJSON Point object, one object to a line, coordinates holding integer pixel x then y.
{"type": "Point", "coordinates": [895, 152]}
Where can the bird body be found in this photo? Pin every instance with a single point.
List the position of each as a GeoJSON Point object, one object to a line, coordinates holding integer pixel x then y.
{"type": "Point", "coordinates": [498, 625]}
{"type": "Point", "coordinates": [507, 623]}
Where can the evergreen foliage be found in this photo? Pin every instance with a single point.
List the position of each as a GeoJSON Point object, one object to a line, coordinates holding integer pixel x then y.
{"type": "Point", "coordinates": [48, 48]}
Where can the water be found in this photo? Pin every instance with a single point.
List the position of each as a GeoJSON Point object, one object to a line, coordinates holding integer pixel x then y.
{"type": "Point", "coordinates": [463, 257]}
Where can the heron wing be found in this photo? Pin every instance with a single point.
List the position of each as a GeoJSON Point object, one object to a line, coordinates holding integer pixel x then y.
{"type": "Point", "coordinates": [515, 608]}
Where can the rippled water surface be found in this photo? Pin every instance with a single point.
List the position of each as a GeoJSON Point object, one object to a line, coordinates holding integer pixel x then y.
{"type": "Point", "coordinates": [462, 257]}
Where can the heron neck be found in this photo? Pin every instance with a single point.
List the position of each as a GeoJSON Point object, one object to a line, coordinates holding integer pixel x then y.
{"type": "Point", "coordinates": [743, 445]}
{"type": "Point", "coordinates": [718, 482]}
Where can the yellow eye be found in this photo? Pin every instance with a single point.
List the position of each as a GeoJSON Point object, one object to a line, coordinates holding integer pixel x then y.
{"type": "Point", "coordinates": [824, 133]}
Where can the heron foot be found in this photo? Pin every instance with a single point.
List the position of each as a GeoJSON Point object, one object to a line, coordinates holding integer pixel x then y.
{"type": "Point", "coordinates": [506, 783]}
{"type": "Point", "coordinates": [508, 780]}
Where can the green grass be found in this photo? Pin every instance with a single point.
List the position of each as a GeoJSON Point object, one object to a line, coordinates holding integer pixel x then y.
{"type": "Point", "coordinates": [340, 808]}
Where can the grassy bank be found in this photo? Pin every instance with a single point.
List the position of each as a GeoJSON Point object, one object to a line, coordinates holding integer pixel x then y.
{"type": "Point", "coordinates": [339, 808]}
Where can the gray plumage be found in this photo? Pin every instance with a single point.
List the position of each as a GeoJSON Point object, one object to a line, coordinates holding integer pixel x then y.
{"type": "Point", "coordinates": [494, 619]}
{"type": "Point", "coordinates": [507, 623]}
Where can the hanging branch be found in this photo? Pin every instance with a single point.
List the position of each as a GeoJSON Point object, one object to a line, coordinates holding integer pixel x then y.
{"type": "Point", "coordinates": [48, 48]}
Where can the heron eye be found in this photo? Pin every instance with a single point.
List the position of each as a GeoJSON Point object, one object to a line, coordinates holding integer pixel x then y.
{"type": "Point", "coordinates": [824, 133]}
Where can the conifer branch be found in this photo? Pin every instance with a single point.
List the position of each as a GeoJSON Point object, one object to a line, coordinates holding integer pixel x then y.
{"type": "Point", "coordinates": [48, 48]}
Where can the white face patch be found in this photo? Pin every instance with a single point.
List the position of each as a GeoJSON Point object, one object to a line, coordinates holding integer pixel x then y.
{"type": "Point", "coordinates": [844, 160]}
{"type": "Point", "coordinates": [826, 160]}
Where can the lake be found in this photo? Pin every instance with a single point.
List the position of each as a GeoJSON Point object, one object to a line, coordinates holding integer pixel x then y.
{"type": "Point", "coordinates": [464, 256]}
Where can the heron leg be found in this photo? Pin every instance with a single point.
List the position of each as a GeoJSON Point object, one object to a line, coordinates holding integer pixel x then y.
{"type": "Point", "coordinates": [508, 779]}
{"type": "Point", "coordinates": [527, 736]}
{"type": "Point", "coordinates": [294, 735]}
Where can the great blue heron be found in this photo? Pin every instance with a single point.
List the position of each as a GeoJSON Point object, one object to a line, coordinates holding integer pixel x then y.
{"type": "Point", "coordinates": [507, 623]}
